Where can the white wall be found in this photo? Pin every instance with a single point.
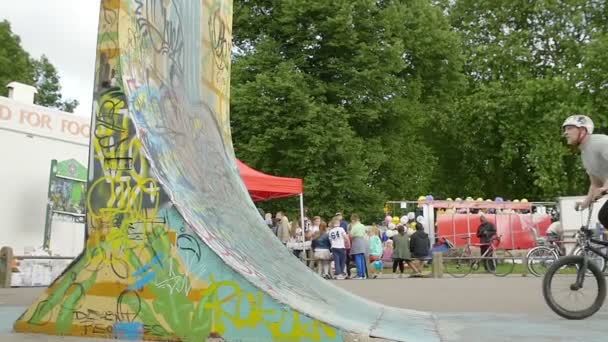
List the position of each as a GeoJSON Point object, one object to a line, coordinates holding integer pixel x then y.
{"type": "Point", "coordinates": [25, 160]}
{"type": "Point", "coordinates": [571, 219]}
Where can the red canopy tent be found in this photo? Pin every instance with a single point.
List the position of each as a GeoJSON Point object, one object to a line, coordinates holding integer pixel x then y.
{"type": "Point", "coordinates": [263, 187]}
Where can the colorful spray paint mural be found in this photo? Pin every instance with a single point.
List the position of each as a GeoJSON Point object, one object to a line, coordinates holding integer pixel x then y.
{"type": "Point", "coordinates": [67, 187]}
{"type": "Point", "coordinates": [175, 248]}
{"type": "Point", "coordinates": [66, 195]}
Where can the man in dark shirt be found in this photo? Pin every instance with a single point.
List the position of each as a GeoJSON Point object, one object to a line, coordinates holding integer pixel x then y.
{"type": "Point", "coordinates": [485, 232]}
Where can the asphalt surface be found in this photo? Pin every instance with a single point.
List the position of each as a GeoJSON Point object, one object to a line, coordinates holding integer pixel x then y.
{"type": "Point", "coordinates": [476, 308]}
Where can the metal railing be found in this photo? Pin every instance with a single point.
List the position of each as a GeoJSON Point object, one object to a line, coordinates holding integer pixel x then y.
{"type": "Point", "coordinates": [7, 260]}
{"type": "Point", "coordinates": [439, 262]}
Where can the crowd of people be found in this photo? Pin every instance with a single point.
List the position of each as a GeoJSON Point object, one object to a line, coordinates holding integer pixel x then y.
{"type": "Point", "coordinates": [331, 248]}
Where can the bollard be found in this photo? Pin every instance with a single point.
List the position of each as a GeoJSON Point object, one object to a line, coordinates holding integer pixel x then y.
{"type": "Point", "coordinates": [524, 263]}
{"type": "Point", "coordinates": [437, 265]}
{"type": "Point", "coordinates": [6, 269]}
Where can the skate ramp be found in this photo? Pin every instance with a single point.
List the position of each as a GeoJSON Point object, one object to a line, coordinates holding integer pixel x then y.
{"type": "Point", "coordinates": [175, 248]}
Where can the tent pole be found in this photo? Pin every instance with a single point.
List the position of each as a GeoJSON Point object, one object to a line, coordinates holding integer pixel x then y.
{"type": "Point", "coordinates": [302, 223]}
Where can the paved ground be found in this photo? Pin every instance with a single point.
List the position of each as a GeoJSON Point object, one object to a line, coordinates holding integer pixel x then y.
{"type": "Point", "coordinates": [475, 293]}
{"type": "Point", "coordinates": [476, 308]}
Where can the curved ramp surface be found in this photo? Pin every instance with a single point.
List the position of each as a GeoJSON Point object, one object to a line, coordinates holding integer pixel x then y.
{"type": "Point", "coordinates": [175, 248]}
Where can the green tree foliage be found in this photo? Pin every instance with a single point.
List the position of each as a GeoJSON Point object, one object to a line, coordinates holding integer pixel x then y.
{"type": "Point", "coordinates": [49, 89]}
{"type": "Point", "coordinates": [376, 100]}
{"type": "Point", "coordinates": [17, 65]}
{"type": "Point", "coordinates": [525, 63]}
{"type": "Point", "coordinates": [337, 92]}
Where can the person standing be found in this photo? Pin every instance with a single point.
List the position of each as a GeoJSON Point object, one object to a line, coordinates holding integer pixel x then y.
{"type": "Point", "coordinates": [283, 229]}
{"type": "Point", "coordinates": [401, 252]}
{"type": "Point", "coordinates": [486, 232]}
{"type": "Point", "coordinates": [358, 246]}
{"type": "Point", "coordinates": [337, 237]}
{"type": "Point", "coordinates": [375, 251]}
{"type": "Point", "coordinates": [322, 245]}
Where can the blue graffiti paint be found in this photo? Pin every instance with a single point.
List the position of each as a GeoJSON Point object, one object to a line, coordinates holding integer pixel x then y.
{"type": "Point", "coordinates": [148, 277]}
{"type": "Point", "coordinates": [128, 331]}
{"type": "Point", "coordinates": [142, 282]}
{"type": "Point", "coordinates": [146, 267]}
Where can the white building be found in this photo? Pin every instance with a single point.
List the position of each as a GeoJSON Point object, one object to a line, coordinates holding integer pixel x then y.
{"type": "Point", "coordinates": [31, 136]}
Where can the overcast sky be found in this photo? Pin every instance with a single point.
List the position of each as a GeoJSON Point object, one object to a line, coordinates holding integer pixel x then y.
{"type": "Point", "coordinates": [65, 31]}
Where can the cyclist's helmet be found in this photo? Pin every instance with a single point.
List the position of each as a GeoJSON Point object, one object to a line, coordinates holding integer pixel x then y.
{"type": "Point", "coordinates": [579, 121]}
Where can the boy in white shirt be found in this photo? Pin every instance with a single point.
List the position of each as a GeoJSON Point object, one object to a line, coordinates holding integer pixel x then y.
{"type": "Point", "coordinates": [337, 235]}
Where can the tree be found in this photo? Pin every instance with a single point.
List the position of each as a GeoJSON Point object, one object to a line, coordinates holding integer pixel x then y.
{"type": "Point", "coordinates": [48, 86]}
{"type": "Point", "coordinates": [338, 91]}
{"type": "Point", "coordinates": [17, 65]}
{"type": "Point", "coordinates": [526, 71]}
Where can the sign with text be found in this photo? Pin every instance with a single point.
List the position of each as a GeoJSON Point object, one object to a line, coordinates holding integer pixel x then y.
{"type": "Point", "coordinates": [46, 122]}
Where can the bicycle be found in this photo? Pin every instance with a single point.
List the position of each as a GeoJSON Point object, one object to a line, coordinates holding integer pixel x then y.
{"type": "Point", "coordinates": [498, 261]}
{"type": "Point", "coordinates": [570, 272]}
{"type": "Point", "coordinates": [541, 257]}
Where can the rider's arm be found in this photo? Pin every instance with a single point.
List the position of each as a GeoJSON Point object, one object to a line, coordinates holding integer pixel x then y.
{"type": "Point", "coordinates": [595, 184]}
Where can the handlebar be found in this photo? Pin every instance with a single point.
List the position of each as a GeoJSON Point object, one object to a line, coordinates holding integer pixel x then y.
{"type": "Point", "coordinates": [577, 206]}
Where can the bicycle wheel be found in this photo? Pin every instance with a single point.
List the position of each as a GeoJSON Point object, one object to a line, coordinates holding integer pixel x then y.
{"type": "Point", "coordinates": [540, 259]}
{"type": "Point", "coordinates": [594, 258]}
{"type": "Point", "coordinates": [560, 288]}
{"type": "Point", "coordinates": [458, 263]}
{"type": "Point", "coordinates": [502, 263]}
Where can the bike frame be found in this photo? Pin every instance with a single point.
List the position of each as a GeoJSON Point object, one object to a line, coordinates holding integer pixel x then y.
{"type": "Point", "coordinates": [587, 240]}
{"type": "Point", "coordinates": [489, 251]}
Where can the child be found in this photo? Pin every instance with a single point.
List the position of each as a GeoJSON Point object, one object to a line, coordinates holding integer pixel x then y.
{"type": "Point", "coordinates": [387, 252]}
{"type": "Point", "coordinates": [375, 249]}
{"type": "Point", "coordinates": [401, 252]}
{"type": "Point", "coordinates": [337, 237]}
{"type": "Point", "coordinates": [297, 236]}
{"type": "Point", "coordinates": [322, 245]}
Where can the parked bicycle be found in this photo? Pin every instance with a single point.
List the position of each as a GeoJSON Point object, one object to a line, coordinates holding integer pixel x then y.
{"type": "Point", "coordinates": [577, 279]}
{"type": "Point", "coordinates": [461, 262]}
{"type": "Point", "coordinates": [547, 252]}
{"type": "Point", "coordinates": [541, 257]}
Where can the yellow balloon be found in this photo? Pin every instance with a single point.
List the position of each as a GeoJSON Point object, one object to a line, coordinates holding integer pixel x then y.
{"type": "Point", "coordinates": [395, 220]}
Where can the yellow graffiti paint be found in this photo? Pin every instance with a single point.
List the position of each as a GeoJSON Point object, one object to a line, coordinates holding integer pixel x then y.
{"type": "Point", "coordinates": [257, 315]}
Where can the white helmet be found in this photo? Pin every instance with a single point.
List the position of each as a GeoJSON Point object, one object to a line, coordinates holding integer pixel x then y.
{"type": "Point", "coordinates": [579, 121]}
